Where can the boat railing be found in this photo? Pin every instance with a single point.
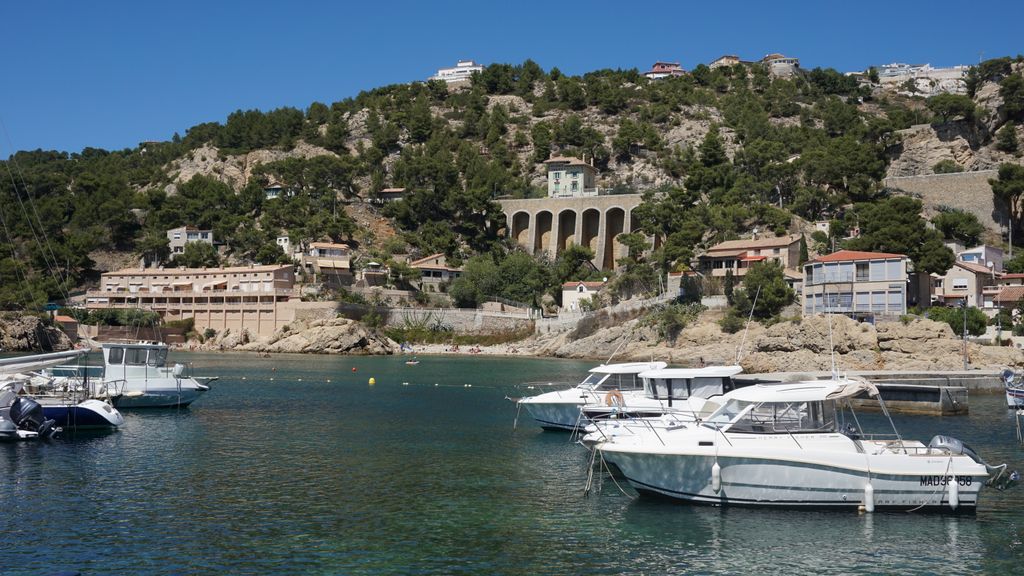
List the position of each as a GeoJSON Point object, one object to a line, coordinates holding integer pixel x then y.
{"type": "Point", "coordinates": [76, 371]}
{"type": "Point", "coordinates": [893, 443]}
{"type": "Point", "coordinates": [110, 388]}
{"type": "Point", "coordinates": [67, 389]}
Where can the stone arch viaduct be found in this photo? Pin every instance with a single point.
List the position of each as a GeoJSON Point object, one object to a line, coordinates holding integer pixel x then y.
{"type": "Point", "coordinates": [550, 225]}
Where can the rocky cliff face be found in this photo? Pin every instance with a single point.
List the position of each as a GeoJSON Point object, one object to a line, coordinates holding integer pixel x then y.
{"type": "Point", "coordinates": [236, 170]}
{"type": "Point", "coordinates": [969, 144]}
{"type": "Point", "coordinates": [29, 334]}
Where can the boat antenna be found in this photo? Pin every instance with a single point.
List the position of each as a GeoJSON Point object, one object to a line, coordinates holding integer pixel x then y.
{"type": "Point", "coordinates": [750, 318]}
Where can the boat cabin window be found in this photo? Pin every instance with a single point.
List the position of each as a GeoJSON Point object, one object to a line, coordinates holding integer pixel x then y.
{"type": "Point", "coordinates": [622, 382]}
{"type": "Point", "coordinates": [665, 388]}
{"type": "Point", "coordinates": [787, 417]}
{"type": "Point", "coordinates": [599, 381]}
{"type": "Point", "coordinates": [707, 387]}
{"type": "Point", "coordinates": [116, 356]}
{"type": "Point", "coordinates": [135, 356]}
{"type": "Point", "coordinates": [683, 388]}
{"type": "Point", "coordinates": [157, 357]}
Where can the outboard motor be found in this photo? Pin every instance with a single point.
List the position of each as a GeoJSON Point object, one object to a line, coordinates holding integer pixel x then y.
{"type": "Point", "coordinates": [1009, 377]}
{"type": "Point", "coordinates": [998, 476]}
{"type": "Point", "coordinates": [27, 414]}
{"type": "Point", "coordinates": [954, 446]}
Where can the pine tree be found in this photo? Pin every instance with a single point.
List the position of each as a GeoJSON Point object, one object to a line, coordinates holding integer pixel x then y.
{"type": "Point", "coordinates": [1006, 138]}
{"type": "Point", "coordinates": [730, 285]}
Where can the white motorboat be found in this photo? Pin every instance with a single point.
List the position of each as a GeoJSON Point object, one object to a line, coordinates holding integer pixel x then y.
{"type": "Point", "coordinates": [785, 445]}
{"type": "Point", "coordinates": [66, 401]}
{"type": "Point", "coordinates": [666, 390]}
{"type": "Point", "coordinates": [605, 384]}
{"type": "Point", "coordinates": [1014, 384]}
{"type": "Point", "coordinates": [136, 376]}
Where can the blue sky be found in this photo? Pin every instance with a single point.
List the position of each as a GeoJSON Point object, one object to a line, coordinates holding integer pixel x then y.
{"type": "Point", "coordinates": [113, 74]}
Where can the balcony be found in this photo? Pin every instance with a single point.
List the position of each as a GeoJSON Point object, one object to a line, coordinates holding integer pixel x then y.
{"type": "Point", "coordinates": [834, 279]}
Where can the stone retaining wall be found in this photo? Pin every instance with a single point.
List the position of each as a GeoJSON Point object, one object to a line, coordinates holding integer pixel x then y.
{"type": "Point", "coordinates": [968, 191]}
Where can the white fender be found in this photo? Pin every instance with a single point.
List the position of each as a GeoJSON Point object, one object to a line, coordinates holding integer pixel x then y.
{"type": "Point", "coordinates": [954, 493]}
{"type": "Point", "coordinates": [869, 497]}
{"type": "Point", "coordinates": [716, 477]}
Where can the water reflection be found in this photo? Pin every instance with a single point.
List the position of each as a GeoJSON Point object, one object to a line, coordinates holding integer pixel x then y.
{"type": "Point", "coordinates": [302, 475]}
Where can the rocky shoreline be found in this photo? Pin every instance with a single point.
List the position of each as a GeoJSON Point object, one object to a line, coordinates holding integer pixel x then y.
{"type": "Point", "coordinates": [803, 345]}
{"type": "Point", "coordinates": [919, 344]}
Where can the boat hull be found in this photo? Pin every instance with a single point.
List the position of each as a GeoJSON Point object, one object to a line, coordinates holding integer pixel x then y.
{"type": "Point", "coordinates": [556, 415]}
{"type": "Point", "coordinates": [764, 482]}
{"type": "Point", "coordinates": [1014, 397]}
{"type": "Point", "coordinates": [90, 414]}
{"type": "Point", "coordinates": [158, 398]}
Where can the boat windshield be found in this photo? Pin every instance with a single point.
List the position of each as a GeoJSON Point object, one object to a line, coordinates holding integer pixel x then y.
{"type": "Point", "coordinates": [787, 417]}
{"type": "Point", "coordinates": [727, 413]}
{"type": "Point", "coordinates": [599, 381]}
{"type": "Point", "coordinates": [592, 380]}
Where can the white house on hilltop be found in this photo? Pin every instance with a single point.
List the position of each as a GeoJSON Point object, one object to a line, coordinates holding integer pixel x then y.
{"type": "Point", "coordinates": [462, 70]}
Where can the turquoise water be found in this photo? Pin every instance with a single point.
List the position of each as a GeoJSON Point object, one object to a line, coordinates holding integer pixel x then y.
{"type": "Point", "coordinates": [299, 475]}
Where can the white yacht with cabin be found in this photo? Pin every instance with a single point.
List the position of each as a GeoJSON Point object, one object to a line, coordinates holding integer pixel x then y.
{"type": "Point", "coordinates": [136, 376]}
{"type": "Point", "coordinates": [560, 409]}
{"type": "Point", "coordinates": [668, 390]}
{"type": "Point", "coordinates": [670, 396]}
{"type": "Point", "coordinates": [785, 445]}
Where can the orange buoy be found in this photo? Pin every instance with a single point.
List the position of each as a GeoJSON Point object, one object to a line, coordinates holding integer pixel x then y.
{"type": "Point", "coordinates": [353, 368]}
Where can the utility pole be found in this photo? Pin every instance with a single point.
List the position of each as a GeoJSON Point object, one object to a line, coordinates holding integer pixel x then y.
{"type": "Point", "coordinates": [964, 304]}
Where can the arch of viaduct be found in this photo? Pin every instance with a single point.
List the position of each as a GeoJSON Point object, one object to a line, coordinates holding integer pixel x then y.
{"type": "Point", "coordinates": [553, 224]}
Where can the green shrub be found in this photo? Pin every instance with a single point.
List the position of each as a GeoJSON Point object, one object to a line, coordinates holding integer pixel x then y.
{"type": "Point", "coordinates": [732, 323]}
{"type": "Point", "coordinates": [947, 167]}
{"type": "Point", "coordinates": [671, 319]}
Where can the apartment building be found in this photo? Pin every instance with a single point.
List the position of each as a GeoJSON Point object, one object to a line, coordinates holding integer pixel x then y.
{"type": "Point", "coordinates": [856, 284]}
{"type": "Point", "coordinates": [259, 299]}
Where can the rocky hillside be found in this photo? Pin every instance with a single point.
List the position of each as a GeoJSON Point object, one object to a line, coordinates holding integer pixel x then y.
{"type": "Point", "coordinates": [752, 150]}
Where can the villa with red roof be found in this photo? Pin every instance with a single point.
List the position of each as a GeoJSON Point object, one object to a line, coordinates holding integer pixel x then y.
{"type": "Point", "coordinates": [664, 70]}
{"type": "Point", "coordinates": [739, 255]}
{"type": "Point", "coordinates": [858, 284]}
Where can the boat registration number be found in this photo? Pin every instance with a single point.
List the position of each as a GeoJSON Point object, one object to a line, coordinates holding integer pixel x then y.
{"type": "Point", "coordinates": [944, 480]}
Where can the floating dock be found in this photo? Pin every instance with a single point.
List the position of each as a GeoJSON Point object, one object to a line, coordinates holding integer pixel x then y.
{"type": "Point", "coordinates": [907, 392]}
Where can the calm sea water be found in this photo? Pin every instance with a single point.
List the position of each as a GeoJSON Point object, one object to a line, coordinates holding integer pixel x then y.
{"type": "Point", "coordinates": [280, 471]}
